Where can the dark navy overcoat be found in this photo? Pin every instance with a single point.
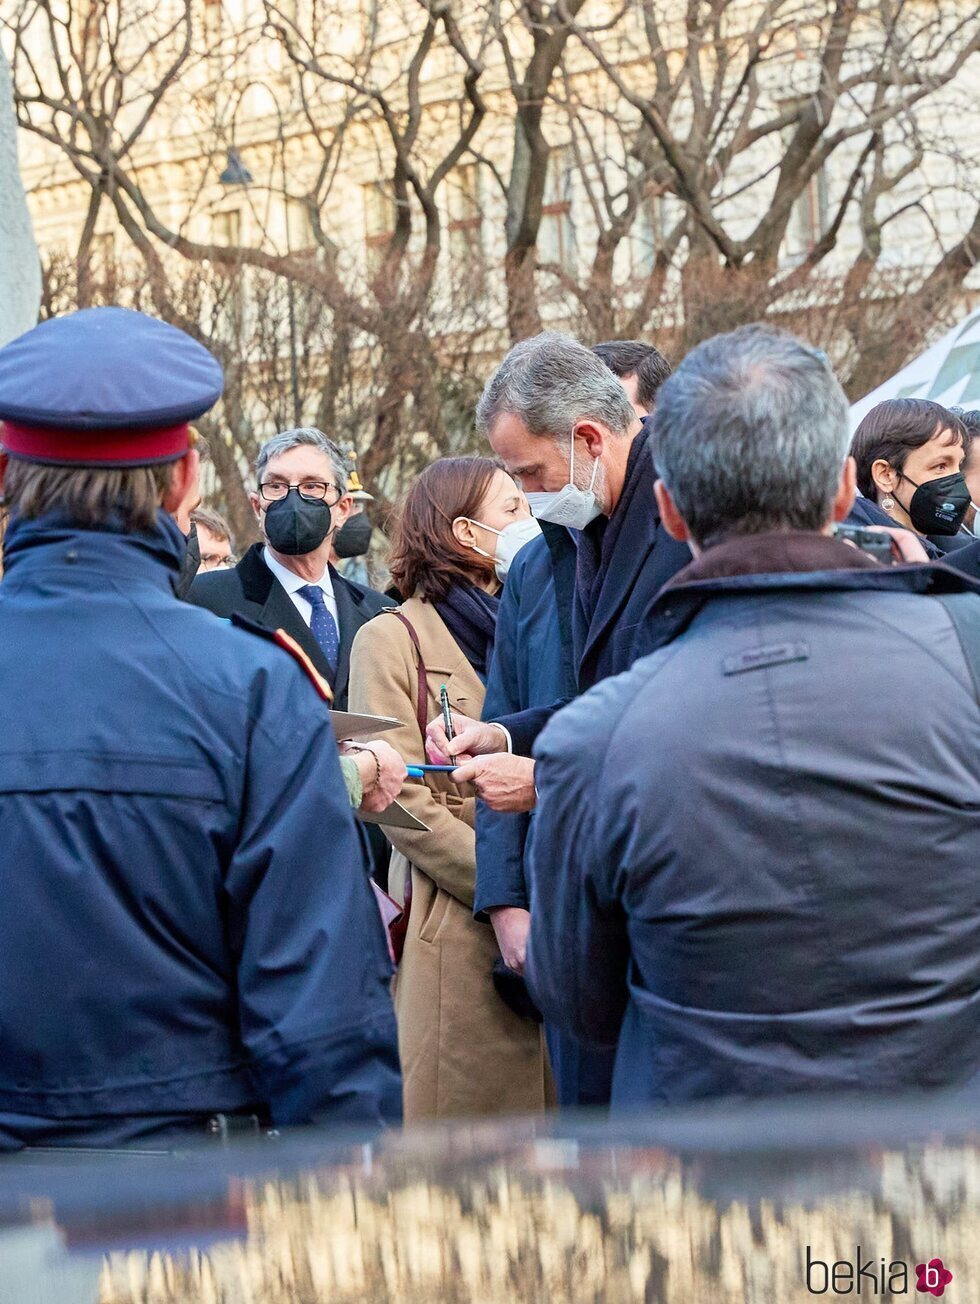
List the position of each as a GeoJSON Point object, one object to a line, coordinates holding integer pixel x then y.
{"type": "Point", "coordinates": [187, 925]}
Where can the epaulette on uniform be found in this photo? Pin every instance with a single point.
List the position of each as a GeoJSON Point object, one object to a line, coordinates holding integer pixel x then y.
{"type": "Point", "coordinates": [284, 640]}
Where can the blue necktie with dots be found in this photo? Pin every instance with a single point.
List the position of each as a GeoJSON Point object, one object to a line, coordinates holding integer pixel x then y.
{"type": "Point", "coordinates": [323, 627]}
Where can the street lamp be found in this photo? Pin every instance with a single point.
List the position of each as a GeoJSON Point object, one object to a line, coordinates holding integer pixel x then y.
{"type": "Point", "coordinates": [235, 173]}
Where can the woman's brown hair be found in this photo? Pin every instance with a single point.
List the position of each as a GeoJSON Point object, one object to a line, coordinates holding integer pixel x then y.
{"type": "Point", "coordinates": [425, 556]}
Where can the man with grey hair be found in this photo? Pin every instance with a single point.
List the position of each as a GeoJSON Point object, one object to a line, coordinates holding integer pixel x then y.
{"type": "Point", "coordinates": [287, 582]}
{"type": "Point", "coordinates": [734, 882]}
{"type": "Point", "coordinates": [561, 422]}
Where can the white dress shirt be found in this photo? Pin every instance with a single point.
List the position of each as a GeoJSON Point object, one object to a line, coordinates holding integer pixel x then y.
{"type": "Point", "coordinates": [293, 583]}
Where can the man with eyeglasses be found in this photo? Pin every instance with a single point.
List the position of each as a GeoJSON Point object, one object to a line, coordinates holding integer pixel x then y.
{"type": "Point", "coordinates": [214, 539]}
{"type": "Point", "coordinates": [287, 582]}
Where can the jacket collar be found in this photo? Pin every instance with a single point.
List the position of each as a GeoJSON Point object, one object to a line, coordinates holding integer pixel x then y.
{"type": "Point", "coordinates": [277, 610]}
{"type": "Point", "coordinates": [809, 563]}
{"type": "Point", "coordinates": [780, 552]}
{"type": "Point", "coordinates": [54, 540]}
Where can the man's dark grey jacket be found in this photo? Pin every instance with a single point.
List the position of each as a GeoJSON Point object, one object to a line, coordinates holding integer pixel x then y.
{"type": "Point", "coordinates": [756, 855]}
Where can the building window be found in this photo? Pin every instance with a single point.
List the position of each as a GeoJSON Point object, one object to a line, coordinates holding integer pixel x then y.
{"type": "Point", "coordinates": [299, 228]}
{"type": "Point", "coordinates": [379, 223]}
{"type": "Point", "coordinates": [464, 218]}
{"type": "Point", "coordinates": [808, 217]}
{"type": "Point", "coordinates": [212, 18]}
{"type": "Point", "coordinates": [226, 228]}
{"type": "Point", "coordinates": [646, 236]}
{"type": "Point", "coordinates": [556, 238]}
{"type": "Point", "coordinates": [102, 252]}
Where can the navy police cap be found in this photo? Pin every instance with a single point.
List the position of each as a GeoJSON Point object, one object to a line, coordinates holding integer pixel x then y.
{"type": "Point", "coordinates": [104, 387]}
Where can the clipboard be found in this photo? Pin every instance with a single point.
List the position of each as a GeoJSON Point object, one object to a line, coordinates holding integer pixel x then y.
{"type": "Point", "coordinates": [349, 726]}
{"type": "Point", "coordinates": [396, 817]}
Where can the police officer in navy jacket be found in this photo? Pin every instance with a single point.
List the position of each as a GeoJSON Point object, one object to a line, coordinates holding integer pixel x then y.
{"type": "Point", "coordinates": [188, 929]}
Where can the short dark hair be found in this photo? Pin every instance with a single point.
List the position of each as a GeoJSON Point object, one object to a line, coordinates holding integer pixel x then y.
{"type": "Point", "coordinates": [895, 428]}
{"type": "Point", "coordinates": [750, 435]}
{"type": "Point", "coordinates": [425, 556]}
{"type": "Point", "coordinates": [634, 358]}
{"type": "Point", "coordinates": [89, 496]}
{"type": "Point", "coordinates": [213, 521]}
{"type": "Point", "coordinates": [970, 419]}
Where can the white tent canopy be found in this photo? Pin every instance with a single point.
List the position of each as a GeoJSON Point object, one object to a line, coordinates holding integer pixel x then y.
{"type": "Point", "coordinates": [948, 373]}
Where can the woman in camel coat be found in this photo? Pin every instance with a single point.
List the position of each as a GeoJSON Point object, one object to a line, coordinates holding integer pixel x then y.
{"type": "Point", "coordinates": [463, 1051]}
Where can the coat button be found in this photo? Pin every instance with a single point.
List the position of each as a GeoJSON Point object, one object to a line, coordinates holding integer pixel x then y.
{"type": "Point", "coordinates": [71, 556]}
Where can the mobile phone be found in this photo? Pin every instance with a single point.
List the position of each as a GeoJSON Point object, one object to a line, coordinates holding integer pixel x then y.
{"type": "Point", "coordinates": [873, 542]}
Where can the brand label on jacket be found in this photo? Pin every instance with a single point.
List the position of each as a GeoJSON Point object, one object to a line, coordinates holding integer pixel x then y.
{"type": "Point", "coordinates": [759, 658]}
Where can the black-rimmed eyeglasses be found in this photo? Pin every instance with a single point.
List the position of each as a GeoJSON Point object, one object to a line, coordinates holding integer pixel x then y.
{"type": "Point", "coordinates": [314, 491]}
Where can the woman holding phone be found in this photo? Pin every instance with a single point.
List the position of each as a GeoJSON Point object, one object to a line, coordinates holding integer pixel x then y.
{"type": "Point", "coordinates": [463, 1050]}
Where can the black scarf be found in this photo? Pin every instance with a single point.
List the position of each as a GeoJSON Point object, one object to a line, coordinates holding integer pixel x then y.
{"type": "Point", "coordinates": [470, 615]}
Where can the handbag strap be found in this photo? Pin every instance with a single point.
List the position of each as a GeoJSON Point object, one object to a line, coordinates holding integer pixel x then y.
{"type": "Point", "coordinates": [422, 698]}
{"type": "Point", "coordinates": [963, 610]}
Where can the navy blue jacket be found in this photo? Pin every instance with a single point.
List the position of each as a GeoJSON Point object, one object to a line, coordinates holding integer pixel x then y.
{"type": "Point", "coordinates": [531, 666]}
{"type": "Point", "coordinates": [645, 558]}
{"type": "Point", "coordinates": [187, 925]}
{"type": "Point", "coordinates": [769, 899]}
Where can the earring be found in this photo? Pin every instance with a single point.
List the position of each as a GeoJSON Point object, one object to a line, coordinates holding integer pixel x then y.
{"type": "Point", "coordinates": [887, 503]}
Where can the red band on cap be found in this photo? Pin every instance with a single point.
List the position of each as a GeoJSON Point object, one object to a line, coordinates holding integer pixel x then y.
{"type": "Point", "coordinates": [84, 447]}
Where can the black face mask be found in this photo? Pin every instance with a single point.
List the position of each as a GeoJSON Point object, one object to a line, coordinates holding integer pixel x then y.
{"type": "Point", "coordinates": [191, 565]}
{"type": "Point", "coordinates": [938, 506]}
{"type": "Point", "coordinates": [354, 537]}
{"type": "Point", "coordinates": [295, 526]}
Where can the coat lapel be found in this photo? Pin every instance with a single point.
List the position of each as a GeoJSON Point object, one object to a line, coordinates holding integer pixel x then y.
{"type": "Point", "coordinates": [561, 546]}
{"type": "Point", "coordinates": [273, 607]}
{"type": "Point", "coordinates": [280, 612]}
{"type": "Point", "coordinates": [636, 540]}
{"type": "Point", "coordinates": [351, 616]}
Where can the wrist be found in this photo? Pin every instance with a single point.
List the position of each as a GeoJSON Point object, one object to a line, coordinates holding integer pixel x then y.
{"type": "Point", "coordinates": [369, 767]}
{"type": "Point", "coordinates": [500, 734]}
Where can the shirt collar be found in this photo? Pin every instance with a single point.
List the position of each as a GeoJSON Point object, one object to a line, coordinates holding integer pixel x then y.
{"type": "Point", "coordinates": [291, 582]}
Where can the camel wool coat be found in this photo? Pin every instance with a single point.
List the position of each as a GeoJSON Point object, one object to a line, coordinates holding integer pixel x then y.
{"type": "Point", "coordinates": [463, 1051]}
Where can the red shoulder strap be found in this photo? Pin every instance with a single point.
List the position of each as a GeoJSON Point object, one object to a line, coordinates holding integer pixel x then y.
{"type": "Point", "coordinates": [284, 640]}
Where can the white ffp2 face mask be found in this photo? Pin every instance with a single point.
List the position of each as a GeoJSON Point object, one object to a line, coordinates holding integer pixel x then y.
{"type": "Point", "coordinates": [510, 540]}
{"type": "Point", "coordinates": [571, 506]}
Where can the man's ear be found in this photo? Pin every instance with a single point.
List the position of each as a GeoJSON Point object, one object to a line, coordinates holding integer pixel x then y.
{"type": "Point", "coordinates": [671, 517]}
{"type": "Point", "coordinates": [846, 490]}
{"type": "Point", "coordinates": [183, 480]}
{"type": "Point", "coordinates": [593, 435]}
{"type": "Point", "coordinates": [341, 510]}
